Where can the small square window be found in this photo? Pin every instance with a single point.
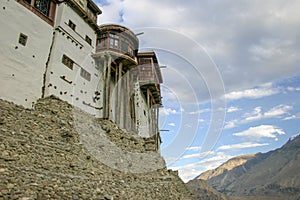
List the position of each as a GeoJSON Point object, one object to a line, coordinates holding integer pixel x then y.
{"type": "Point", "coordinates": [23, 39]}
{"type": "Point", "coordinates": [67, 61]}
{"type": "Point", "coordinates": [85, 74]}
{"type": "Point", "coordinates": [71, 25]}
{"type": "Point", "coordinates": [88, 40]}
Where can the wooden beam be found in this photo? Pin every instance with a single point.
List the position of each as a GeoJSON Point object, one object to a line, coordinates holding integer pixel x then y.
{"type": "Point", "coordinates": [108, 86]}
{"type": "Point", "coordinates": [104, 87]}
{"type": "Point", "coordinates": [120, 100]}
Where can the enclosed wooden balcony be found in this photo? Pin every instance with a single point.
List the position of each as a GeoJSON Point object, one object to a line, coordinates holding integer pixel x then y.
{"type": "Point", "coordinates": [149, 75]}
{"type": "Point", "coordinates": [118, 41]}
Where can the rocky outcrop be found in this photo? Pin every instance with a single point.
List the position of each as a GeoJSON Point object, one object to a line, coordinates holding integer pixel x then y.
{"type": "Point", "coordinates": [43, 156]}
{"type": "Point", "coordinates": [202, 190]}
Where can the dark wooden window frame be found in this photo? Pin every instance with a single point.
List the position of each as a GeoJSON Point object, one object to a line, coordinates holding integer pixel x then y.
{"type": "Point", "coordinates": [72, 25]}
{"type": "Point", "coordinates": [23, 39]}
{"type": "Point", "coordinates": [67, 61]}
{"type": "Point", "coordinates": [88, 40]}
{"type": "Point", "coordinates": [32, 6]}
{"type": "Point", "coordinates": [85, 74]}
{"type": "Point", "coordinates": [115, 41]}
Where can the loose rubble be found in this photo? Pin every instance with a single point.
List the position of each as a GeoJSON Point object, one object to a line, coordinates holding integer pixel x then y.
{"type": "Point", "coordinates": [42, 156]}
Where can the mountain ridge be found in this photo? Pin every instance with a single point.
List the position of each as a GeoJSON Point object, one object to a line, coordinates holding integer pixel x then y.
{"type": "Point", "coordinates": [274, 173]}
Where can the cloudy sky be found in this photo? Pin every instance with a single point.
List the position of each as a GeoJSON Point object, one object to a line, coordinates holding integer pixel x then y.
{"type": "Point", "coordinates": [232, 77]}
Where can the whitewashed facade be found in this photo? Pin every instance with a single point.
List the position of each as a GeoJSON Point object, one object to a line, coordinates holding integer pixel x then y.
{"type": "Point", "coordinates": [51, 47]}
{"type": "Point", "coordinates": [22, 66]}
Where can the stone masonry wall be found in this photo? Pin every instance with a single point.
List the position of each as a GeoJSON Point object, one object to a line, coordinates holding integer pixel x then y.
{"type": "Point", "coordinates": [43, 157]}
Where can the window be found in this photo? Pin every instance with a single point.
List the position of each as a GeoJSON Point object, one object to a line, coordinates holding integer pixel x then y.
{"type": "Point", "coordinates": [71, 25]}
{"type": "Point", "coordinates": [67, 61]}
{"type": "Point", "coordinates": [111, 42]}
{"type": "Point", "coordinates": [43, 6]}
{"type": "Point", "coordinates": [116, 44]}
{"type": "Point", "coordinates": [114, 41]}
{"type": "Point", "coordinates": [124, 47]}
{"type": "Point", "coordinates": [45, 9]}
{"type": "Point", "coordinates": [23, 39]}
{"type": "Point", "coordinates": [85, 74]}
{"type": "Point", "coordinates": [102, 43]}
{"type": "Point", "coordinates": [112, 35]}
{"type": "Point", "coordinates": [145, 61]}
{"type": "Point", "coordinates": [88, 40]}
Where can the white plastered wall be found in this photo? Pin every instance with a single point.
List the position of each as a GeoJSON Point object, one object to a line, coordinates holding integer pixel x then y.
{"type": "Point", "coordinates": [73, 88]}
{"type": "Point", "coordinates": [142, 112]}
{"type": "Point", "coordinates": [22, 67]}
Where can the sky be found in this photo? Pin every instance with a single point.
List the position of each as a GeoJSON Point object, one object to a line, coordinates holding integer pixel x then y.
{"type": "Point", "coordinates": [231, 76]}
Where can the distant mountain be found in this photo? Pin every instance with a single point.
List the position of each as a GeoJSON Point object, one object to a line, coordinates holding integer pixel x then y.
{"type": "Point", "coordinates": [202, 190]}
{"type": "Point", "coordinates": [227, 166]}
{"type": "Point", "coordinates": [275, 173]}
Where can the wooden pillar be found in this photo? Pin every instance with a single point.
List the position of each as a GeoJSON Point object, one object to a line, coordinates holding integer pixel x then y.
{"type": "Point", "coordinates": [115, 111]}
{"type": "Point", "coordinates": [108, 87]}
{"type": "Point", "coordinates": [148, 98]}
{"type": "Point", "coordinates": [119, 89]}
{"type": "Point", "coordinates": [125, 106]}
{"type": "Point", "coordinates": [104, 87]}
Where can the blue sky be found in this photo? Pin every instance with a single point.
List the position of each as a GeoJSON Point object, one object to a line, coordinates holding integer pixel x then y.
{"type": "Point", "coordinates": [232, 82]}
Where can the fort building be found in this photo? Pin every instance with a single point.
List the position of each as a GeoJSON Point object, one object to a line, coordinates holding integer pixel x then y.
{"type": "Point", "coordinates": [55, 47]}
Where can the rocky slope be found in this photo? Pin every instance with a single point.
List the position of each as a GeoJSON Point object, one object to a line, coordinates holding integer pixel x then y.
{"type": "Point", "coordinates": [272, 174]}
{"type": "Point", "coordinates": [42, 156]}
{"type": "Point", "coordinates": [227, 166]}
{"type": "Point", "coordinates": [202, 190]}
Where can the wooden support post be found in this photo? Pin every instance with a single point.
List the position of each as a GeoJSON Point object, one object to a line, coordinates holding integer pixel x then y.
{"type": "Point", "coordinates": [108, 87]}
{"type": "Point", "coordinates": [120, 100]}
{"type": "Point", "coordinates": [104, 87]}
{"type": "Point", "coordinates": [148, 98]}
{"type": "Point", "coordinates": [125, 106]}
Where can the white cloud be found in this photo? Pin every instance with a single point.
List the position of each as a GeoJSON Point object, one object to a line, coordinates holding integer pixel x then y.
{"type": "Point", "coordinates": [278, 111]}
{"type": "Point", "coordinates": [186, 172]}
{"type": "Point", "coordinates": [211, 162]}
{"type": "Point", "coordinates": [293, 89]}
{"type": "Point", "coordinates": [248, 52]}
{"type": "Point", "coordinates": [170, 159]}
{"type": "Point", "coordinates": [232, 109]}
{"type": "Point", "coordinates": [258, 114]}
{"type": "Point", "coordinates": [201, 120]}
{"type": "Point", "coordinates": [166, 111]}
{"type": "Point", "coordinates": [195, 148]}
{"type": "Point", "coordinates": [199, 111]}
{"type": "Point", "coordinates": [295, 116]}
{"type": "Point", "coordinates": [265, 50]}
{"type": "Point", "coordinates": [187, 175]}
{"type": "Point", "coordinates": [171, 124]}
{"type": "Point", "coordinates": [197, 155]}
{"type": "Point", "coordinates": [230, 124]}
{"type": "Point", "coordinates": [242, 146]}
{"type": "Point", "coordinates": [254, 93]}
{"type": "Point", "coordinates": [262, 131]}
